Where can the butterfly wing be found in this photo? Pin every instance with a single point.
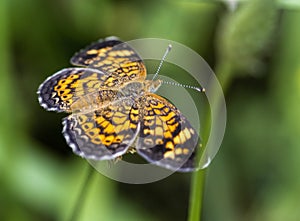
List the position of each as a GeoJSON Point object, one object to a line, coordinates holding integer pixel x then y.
{"type": "Point", "coordinates": [113, 57]}
{"type": "Point", "coordinates": [108, 65]}
{"type": "Point", "coordinates": [102, 134]}
{"type": "Point", "coordinates": [61, 90]}
{"type": "Point", "coordinates": [166, 137]}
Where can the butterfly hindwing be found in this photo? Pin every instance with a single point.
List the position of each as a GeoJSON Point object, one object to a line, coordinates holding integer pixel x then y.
{"type": "Point", "coordinates": [166, 137]}
{"type": "Point", "coordinates": [102, 134]}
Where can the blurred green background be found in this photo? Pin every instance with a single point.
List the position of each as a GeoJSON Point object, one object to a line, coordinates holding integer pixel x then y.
{"type": "Point", "coordinates": [254, 49]}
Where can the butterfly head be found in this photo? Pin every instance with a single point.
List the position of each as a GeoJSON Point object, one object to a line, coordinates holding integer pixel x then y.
{"type": "Point", "coordinates": [152, 86]}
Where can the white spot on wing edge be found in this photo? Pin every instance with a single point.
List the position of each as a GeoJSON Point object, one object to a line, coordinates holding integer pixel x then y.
{"type": "Point", "coordinates": [111, 38]}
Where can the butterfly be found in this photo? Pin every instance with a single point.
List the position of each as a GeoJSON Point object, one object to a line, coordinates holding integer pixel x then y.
{"type": "Point", "coordinates": [113, 107]}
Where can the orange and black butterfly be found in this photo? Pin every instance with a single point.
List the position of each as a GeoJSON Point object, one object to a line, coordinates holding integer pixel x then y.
{"type": "Point", "coordinates": [113, 107]}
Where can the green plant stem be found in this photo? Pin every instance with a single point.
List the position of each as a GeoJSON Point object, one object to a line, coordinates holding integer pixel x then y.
{"type": "Point", "coordinates": [224, 73]}
{"type": "Point", "coordinates": [81, 197]}
{"type": "Point", "coordinates": [196, 195]}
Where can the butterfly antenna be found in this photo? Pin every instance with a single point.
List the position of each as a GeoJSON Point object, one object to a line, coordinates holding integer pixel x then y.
{"type": "Point", "coordinates": [162, 60]}
{"type": "Point", "coordinates": [200, 89]}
